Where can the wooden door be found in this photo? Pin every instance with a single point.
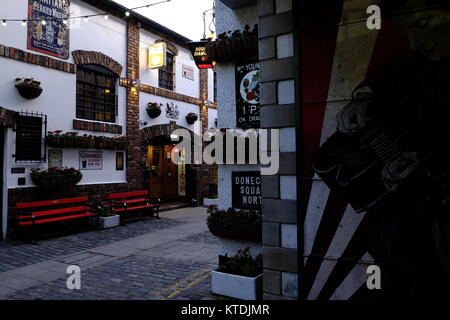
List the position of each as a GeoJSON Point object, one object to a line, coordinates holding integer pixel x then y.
{"type": "Point", "coordinates": [171, 176]}
{"type": "Point", "coordinates": [155, 156]}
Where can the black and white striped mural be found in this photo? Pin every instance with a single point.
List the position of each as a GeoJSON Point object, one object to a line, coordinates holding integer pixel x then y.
{"type": "Point", "coordinates": [375, 109]}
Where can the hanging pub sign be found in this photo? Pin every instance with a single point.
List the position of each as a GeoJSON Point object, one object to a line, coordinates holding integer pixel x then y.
{"type": "Point", "coordinates": [46, 31]}
{"type": "Point", "coordinates": [157, 55]}
{"type": "Point", "coordinates": [247, 96]}
{"type": "Point", "coordinates": [246, 190]}
{"type": "Point", "coordinates": [198, 50]}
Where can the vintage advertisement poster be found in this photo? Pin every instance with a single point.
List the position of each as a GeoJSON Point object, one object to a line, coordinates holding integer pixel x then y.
{"type": "Point", "coordinates": [374, 127]}
{"type": "Point", "coordinates": [247, 96]}
{"type": "Point", "coordinates": [47, 32]}
{"type": "Point", "coordinates": [91, 160]}
{"type": "Point", "coordinates": [246, 190]}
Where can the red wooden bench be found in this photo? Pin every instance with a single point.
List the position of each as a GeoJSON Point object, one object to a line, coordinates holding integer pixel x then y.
{"type": "Point", "coordinates": [32, 214]}
{"type": "Point", "coordinates": [124, 202]}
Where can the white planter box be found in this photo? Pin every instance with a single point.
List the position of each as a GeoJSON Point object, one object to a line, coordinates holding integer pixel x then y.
{"type": "Point", "coordinates": [239, 287]}
{"type": "Point", "coordinates": [208, 201]}
{"type": "Point", "coordinates": [109, 222]}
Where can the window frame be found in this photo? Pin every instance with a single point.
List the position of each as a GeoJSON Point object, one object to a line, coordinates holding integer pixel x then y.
{"type": "Point", "coordinates": [164, 73]}
{"type": "Point", "coordinates": [89, 103]}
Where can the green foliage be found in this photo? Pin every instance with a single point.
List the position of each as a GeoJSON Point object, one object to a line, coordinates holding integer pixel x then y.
{"type": "Point", "coordinates": [243, 264]}
{"type": "Point", "coordinates": [232, 218]}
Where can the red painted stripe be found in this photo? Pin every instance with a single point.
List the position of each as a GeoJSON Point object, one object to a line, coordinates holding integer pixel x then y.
{"type": "Point", "coordinates": [127, 194]}
{"type": "Point", "coordinates": [26, 205]}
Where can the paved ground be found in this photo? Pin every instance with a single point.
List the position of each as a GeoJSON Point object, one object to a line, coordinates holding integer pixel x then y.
{"type": "Point", "coordinates": [169, 258]}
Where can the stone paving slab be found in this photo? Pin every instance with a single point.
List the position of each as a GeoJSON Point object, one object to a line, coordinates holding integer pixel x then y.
{"type": "Point", "coordinates": [162, 262]}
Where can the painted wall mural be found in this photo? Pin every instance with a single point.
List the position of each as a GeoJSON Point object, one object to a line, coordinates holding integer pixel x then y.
{"type": "Point", "coordinates": [376, 170]}
{"type": "Point", "coordinates": [52, 36]}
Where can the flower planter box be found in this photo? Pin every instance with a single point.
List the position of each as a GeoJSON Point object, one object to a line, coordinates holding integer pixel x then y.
{"type": "Point", "coordinates": [109, 222]}
{"type": "Point", "coordinates": [250, 234]}
{"type": "Point", "coordinates": [238, 287]}
{"type": "Point", "coordinates": [228, 50]}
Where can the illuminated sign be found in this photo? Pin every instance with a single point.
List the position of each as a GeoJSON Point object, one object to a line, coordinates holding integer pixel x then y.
{"type": "Point", "coordinates": [198, 50]}
{"type": "Point", "coordinates": [157, 55]}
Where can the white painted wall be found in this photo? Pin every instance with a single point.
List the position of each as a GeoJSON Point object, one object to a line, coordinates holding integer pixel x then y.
{"type": "Point", "coordinates": [227, 19]}
{"type": "Point", "coordinates": [212, 116]}
{"type": "Point", "coordinates": [150, 77]}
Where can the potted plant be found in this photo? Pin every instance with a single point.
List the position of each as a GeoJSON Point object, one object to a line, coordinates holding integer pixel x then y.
{"type": "Point", "coordinates": [239, 277]}
{"type": "Point", "coordinates": [191, 117]}
{"type": "Point", "coordinates": [28, 88]}
{"type": "Point", "coordinates": [232, 224]}
{"type": "Point", "coordinates": [56, 177]}
{"type": "Point", "coordinates": [107, 219]}
{"type": "Point", "coordinates": [154, 109]}
{"type": "Point", "coordinates": [57, 139]}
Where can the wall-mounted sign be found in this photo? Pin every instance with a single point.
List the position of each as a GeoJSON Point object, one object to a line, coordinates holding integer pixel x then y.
{"type": "Point", "coordinates": [188, 72]}
{"type": "Point", "coordinates": [55, 159]}
{"type": "Point", "coordinates": [119, 161]}
{"type": "Point", "coordinates": [246, 190]}
{"type": "Point", "coordinates": [91, 160]}
{"type": "Point", "coordinates": [198, 50]}
{"type": "Point", "coordinates": [51, 37]}
{"type": "Point", "coordinates": [157, 55]}
{"type": "Point", "coordinates": [172, 111]}
{"type": "Point", "coordinates": [247, 96]}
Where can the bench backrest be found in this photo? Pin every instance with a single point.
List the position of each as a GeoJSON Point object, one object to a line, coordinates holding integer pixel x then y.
{"type": "Point", "coordinates": [27, 205]}
{"type": "Point", "coordinates": [128, 194]}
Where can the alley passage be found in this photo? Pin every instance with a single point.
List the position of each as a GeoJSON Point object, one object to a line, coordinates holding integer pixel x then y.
{"type": "Point", "coordinates": [169, 258]}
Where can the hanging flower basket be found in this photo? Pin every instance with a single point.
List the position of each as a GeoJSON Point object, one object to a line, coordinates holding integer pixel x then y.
{"type": "Point", "coordinates": [28, 88]}
{"type": "Point", "coordinates": [233, 46]}
{"type": "Point", "coordinates": [191, 118]}
{"type": "Point", "coordinates": [55, 177]}
{"type": "Point", "coordinates": [154, 109]}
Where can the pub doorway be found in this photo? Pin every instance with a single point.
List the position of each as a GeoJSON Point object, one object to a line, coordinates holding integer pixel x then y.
{"type": "Point", "coordinates": [167, 180]}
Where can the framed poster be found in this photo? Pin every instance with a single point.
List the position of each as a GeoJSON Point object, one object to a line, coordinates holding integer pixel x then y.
{"type": "Point", "coordinates": [55, 159]}
{"type": "Point", "coordinates": [119, 161]}
{"type": "Point", "coordinates": [247, 96]}
{"type": "Point", "coordinates": [188, 72]}
{"type": "Point", "coordinates": [246, 190]}
{"type": "Point", "coordinates": [91, 160]}
{"type": "Point", "coordinates": [51, 37]}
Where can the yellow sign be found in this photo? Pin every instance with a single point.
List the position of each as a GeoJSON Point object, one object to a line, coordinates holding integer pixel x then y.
{"type": "Point", "coordinates": [157, 55]}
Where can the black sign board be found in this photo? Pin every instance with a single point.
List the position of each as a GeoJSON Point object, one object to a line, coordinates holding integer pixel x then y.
{"type": "Point", "coordinates": [247, 96]}
{"type": "Point", "coordinates": [246, 190]}
{"type": "Point", "coordinates": [198, 50]}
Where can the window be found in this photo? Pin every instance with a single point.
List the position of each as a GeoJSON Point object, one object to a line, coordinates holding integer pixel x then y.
{"type": "Point", "coordinates": [96, 93]}
{"type": "Point", "coordinates": [29, 138]}
{"type": "Point", "coordinates": [166, 73]}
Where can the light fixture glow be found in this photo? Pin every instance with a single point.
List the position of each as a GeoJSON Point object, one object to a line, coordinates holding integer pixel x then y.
{"type": "Point", "coordinates": [86, 19]}
{"type": "Point", "coordinates": [127, 13]}
{"type": "Point", "coordinates": [106, 17]}
{"type": "Point", "coordinates": [4, 23]}
{"type": "Point", "coordinates": [64, 21]}
{"type": "Point", "coordinates": [43, 22]}
{"type": "Point", "coordinates": [24, 23]}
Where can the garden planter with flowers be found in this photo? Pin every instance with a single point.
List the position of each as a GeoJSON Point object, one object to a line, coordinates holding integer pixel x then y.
{"type": "Point", "coordinates": [57, 139]}
{"type": "Point", "coordinates": [55, 178]}
{"type": "Point", "coordinates": [240, 225]}
{"type": "Point", "coordinates": [154, 109]}
{"type": "Point", "coordinates": [28, 88]}
{"type": "Point", "coordinates": [240, 277]}
{"type": "Point", "coordinates": [191, 118]}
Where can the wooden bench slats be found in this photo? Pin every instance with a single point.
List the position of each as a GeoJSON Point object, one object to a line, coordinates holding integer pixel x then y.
{"type": "Point", "coordinates": [50, 202]}
{"type": "Point", "coordinates": [53, 212]}
{"type": "Point", "coordinates": [135, 208]}
{"type": "Point", "coordinates": [127, 194]}
{"type": "Point", "coordinates": [41, 221]}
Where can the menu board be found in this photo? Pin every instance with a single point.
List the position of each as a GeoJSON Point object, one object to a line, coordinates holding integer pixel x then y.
{"type": "Point", "coordinates": [91, 160]}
